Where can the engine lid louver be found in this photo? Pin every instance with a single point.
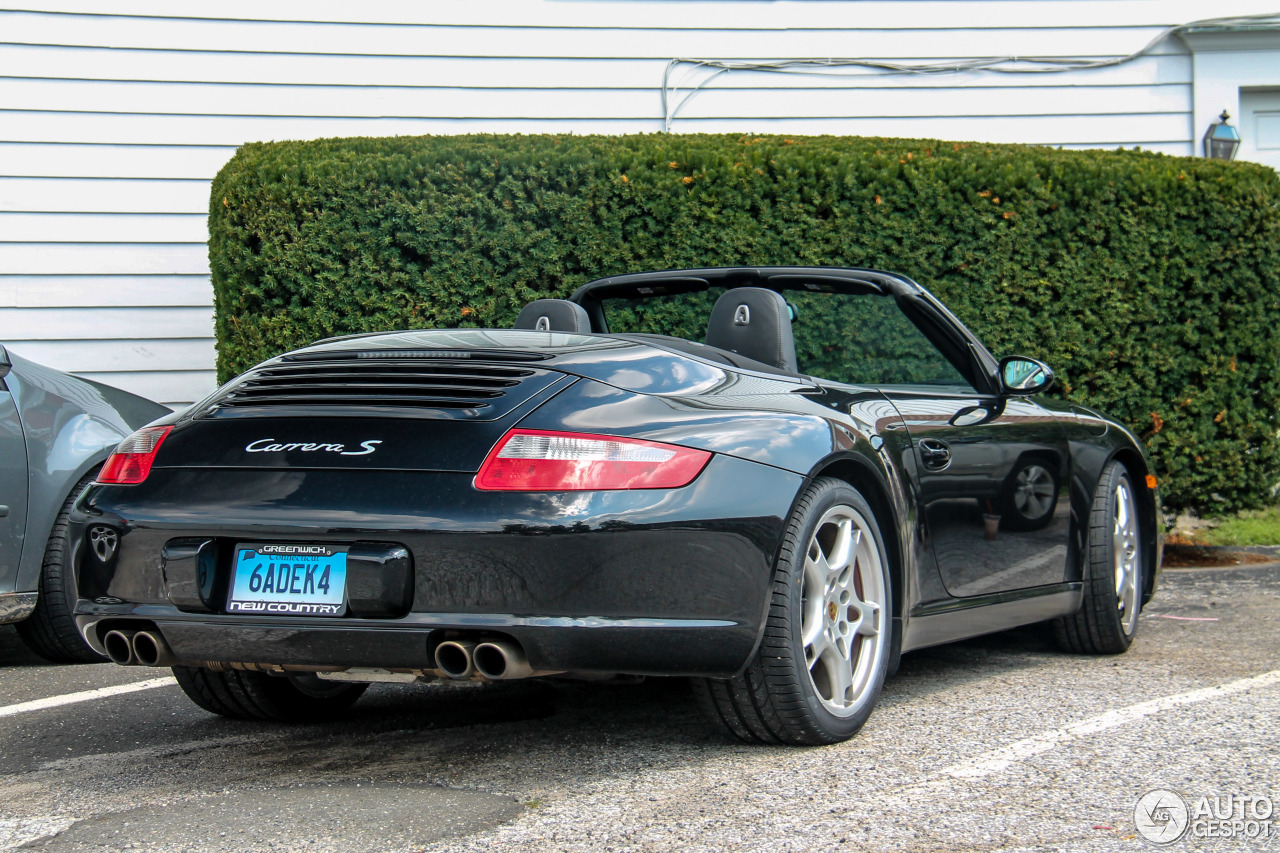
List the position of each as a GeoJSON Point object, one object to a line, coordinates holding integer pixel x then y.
{"type": "Point", "coordinates": [389, 386]}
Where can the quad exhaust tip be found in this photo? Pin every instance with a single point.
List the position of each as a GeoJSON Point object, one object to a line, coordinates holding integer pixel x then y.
{"type": "Point", "coordinates": [454, 658]}
{"type": "Point", "coordinates": [492, 660]}
{"type": "Point", "coordinates": [498, 661]}
{"type": "Point", "coordinates": [150, 649]}
{"type": "Point", "coordinates": [137, 648]}
{"type": "Point", "coordinates": [119, 647]}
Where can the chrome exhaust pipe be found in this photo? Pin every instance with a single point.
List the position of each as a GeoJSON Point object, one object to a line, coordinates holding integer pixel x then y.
{"type": "Point", "coordinates": [499, 660]}
{"type": "Point", "coordinates": [453, 658]}
{"type": "Point", "coordinates": [119, 647]}
{"type": "Point", "coordinates": [150, 649]}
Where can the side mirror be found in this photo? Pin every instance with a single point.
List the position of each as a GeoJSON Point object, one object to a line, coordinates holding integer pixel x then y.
{"type": "Point", "coordinates": [4, 362]}
{"type": "Point", "coordinates": [1020, 376]}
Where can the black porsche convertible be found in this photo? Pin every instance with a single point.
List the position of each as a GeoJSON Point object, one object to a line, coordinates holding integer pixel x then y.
{"type": "Point", "coordinates": [775, 481]}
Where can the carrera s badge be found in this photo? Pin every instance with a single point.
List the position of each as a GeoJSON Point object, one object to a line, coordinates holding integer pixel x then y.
{"type": "Point", "coordinates": [269, 445]}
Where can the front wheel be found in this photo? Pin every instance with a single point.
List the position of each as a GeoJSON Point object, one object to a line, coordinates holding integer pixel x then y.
{"type": "Point", "coordinates": [1113, 572]}
{"type": "Point", "coordinates": [825, 651]}
{"type": "Point", "coordinates": [288, 698]}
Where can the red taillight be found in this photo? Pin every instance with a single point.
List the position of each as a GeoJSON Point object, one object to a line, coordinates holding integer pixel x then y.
{"type": "Point", "coordinates": [530, 460]}
{"type": "Point", "coordinates": [130, 463]}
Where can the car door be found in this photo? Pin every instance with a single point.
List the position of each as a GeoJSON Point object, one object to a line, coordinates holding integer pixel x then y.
{"type": "Point", "coordinates": [991, 463]}
{"type": "Point", "coordinates": [13, 484]}
{"type": "Point", "coordinates": [992, 486]}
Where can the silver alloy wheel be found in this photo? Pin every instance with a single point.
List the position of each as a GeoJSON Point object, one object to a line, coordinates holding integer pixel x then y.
{"type": "Point", "coordinates": [1124, 553]}
{"type": "Point", "coordinates": [1033, 492]}
{"type": "Point", "coordinates": [843, 605]}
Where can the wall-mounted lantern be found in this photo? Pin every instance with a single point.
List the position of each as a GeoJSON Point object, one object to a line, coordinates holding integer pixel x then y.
{"type": "Point", "coordinates": [1221, 139]}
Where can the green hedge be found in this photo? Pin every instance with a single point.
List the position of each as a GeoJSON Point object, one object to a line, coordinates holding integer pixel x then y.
{"type": "Point", "coordinates": [1147, 281]}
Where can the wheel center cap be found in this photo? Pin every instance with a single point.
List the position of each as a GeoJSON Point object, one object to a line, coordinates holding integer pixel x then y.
{"type": "Point", "coordinates": [832, 610]}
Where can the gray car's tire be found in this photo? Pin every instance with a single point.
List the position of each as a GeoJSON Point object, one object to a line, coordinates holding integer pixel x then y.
{"type": "Point", "coordinates": [51, 630]}
{"type": "Point", "coordinates": [1114, 572]}
{"type": "Point", "coordinates": [286, 698]}
{"type": "Point", "coordinates": [828, 634]}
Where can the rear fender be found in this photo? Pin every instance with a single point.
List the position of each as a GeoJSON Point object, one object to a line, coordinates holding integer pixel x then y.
{"type": "Point", "coordinates": [71, 426]}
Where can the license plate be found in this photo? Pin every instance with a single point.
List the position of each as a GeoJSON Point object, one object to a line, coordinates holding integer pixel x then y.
{"type": "Point", "coordinates": [290, 580]}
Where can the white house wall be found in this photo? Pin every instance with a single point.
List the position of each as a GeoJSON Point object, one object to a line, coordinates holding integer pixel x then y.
{"type": "Point", "coordinates": [112, 125]}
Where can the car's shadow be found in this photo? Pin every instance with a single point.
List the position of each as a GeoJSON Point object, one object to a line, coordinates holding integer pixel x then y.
{"type": "Point", "coordinates": [945, 667]}
{"type": "Point", "coordinates": [14, 653]}
{"type": "Point", "coordinates": [656, 710]}
{"type": "Point", "coordinates": [485, 737]}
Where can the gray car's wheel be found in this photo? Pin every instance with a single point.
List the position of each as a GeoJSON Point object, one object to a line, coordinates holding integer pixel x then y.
{"type": "Point", "coordinates": [828, 635]}
{"type": "Point", "coordinates": [1113, 572]}
{"type": "Point", "coordinates": [51, 630]}
{"type": "Point", "coordinates": [289, 698]}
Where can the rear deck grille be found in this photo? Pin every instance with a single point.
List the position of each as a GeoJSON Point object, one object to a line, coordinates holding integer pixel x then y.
{"type": "Point", "coordinates": [472, 389]}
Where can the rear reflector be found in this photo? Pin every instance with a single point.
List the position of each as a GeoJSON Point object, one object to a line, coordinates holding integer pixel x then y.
{"type": "Point", "coordinates": [528, 460]}
{"type": "Point", "coordinates": [130, 463]}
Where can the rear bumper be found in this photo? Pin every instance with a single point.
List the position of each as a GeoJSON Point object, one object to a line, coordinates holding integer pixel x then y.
{"type": "Point", "coordinates": [647, 581]}
{"type": "Point", "coordinates": [552, 644]}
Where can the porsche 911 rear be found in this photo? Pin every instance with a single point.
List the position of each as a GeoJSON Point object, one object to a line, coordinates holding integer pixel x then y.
{"type": "Point", "coordinates": [419, 506]}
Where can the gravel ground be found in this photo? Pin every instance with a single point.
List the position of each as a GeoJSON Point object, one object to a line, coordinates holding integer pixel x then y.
{"type": "Point", "coordinates": [1000, 743]}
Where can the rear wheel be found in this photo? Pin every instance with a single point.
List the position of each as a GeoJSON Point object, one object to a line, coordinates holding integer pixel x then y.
{"type": "Point", "coordinates": [288, 698]}
{"type": "Point", "coordinates": [50, 631]}
{"type": "Point", "coordinates": [825, 652]}
{"type": "Point", "coordinates": [1113, 572]}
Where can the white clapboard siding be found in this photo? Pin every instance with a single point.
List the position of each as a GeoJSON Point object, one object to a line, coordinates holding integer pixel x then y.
{"type": "Point", "coordinates": [27, 126]}
{"type": "Point", "coordinates": [78, 324]}
{"type": "Point", "coordinates": [115, 116]}
{"type": "Point", "coordinates": [102, 228]}
{"type": "Point", "coordinates": [104, 258]}
{"type": "Point", "coordinates": [119, 356]}
{"type": "Point", "coordinates": [96, 63]}
{"type": "Point", "coordinates": [175, 387]}
{"type": "Point", "coordinates": [693, 14]}
{"type": "Point", "coordinates": [1063, 130]}
{"type": "Point", "coordinates": [78, 96]}
{"type": "Point", "coordinates": [1091, 131]}
{"type": "Point", "coordinates": [105, 291]}
{"type": "Point", "coordinates": [106, 195]}
{"type": "Point", "coordinates": [63, 160]}
{"type": "Point", "coordinates": [634, 40]}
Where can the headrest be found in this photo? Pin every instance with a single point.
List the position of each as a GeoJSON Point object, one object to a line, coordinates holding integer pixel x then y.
{"type": "Point", "coordinates": [554, 315]}
{"type": "Point", "coordinates": [755, 323]}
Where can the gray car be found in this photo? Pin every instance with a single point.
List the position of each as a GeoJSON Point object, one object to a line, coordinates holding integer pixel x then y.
{"type": "Point", "coordinates": [55, 432]}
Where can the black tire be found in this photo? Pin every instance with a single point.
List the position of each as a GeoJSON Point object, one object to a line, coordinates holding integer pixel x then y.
{"type": "Point", "coordinates": [288, 698]}
{"type": "Point", "coordinates": [50, 631]}
{"type": "Point", "coordinates": [1107, 619]}
{"type": "Point", "coordinates": [1030, 495]}
{"type": "Point", "coordinates": [779, 698]}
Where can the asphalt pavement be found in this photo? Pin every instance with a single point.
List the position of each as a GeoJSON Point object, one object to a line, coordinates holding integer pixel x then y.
{"type": "Point", "coordinates": [999, 743]}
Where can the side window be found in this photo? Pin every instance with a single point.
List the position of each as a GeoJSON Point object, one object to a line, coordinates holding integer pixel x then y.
{"type": "Point", "coordinates": [866, 340]}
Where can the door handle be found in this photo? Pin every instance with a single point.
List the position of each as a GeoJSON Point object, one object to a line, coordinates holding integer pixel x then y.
{"type": "Point", "coordinates": [935, 454]}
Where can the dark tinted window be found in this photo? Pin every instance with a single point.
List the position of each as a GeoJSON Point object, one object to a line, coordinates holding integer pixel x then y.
{"type": "Point", "coordinates": [861, 339]}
